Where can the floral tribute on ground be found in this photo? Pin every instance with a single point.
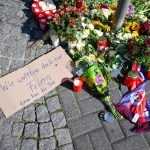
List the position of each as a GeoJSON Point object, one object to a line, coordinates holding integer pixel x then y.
{"type": "Point", "coordinates": [102, 54]}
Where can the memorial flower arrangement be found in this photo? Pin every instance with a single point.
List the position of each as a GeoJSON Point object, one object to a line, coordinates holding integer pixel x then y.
{"type": "Point", "coordinates": [88, 28]}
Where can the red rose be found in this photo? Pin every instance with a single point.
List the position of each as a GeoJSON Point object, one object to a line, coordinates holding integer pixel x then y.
{"type": "Point", "coordinates": [147, 42]}
{"type": "Point", "coordinates": [62, 12]}
{"type": "Point", "coordinates": [68, 9]}
{"type": "Point", "coordinates": [130, 41]}
{"type": "Point", "coordinates": [56, 15]}
{"type": "Point", "coordinates": [104, 6]}
{"type": "Point", "coordinates": [133, 48]}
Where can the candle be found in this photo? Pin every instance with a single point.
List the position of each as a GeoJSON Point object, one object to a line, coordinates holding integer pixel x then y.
{"type": "Point", "coordinates": [41, 16]}
{"type": "Point", "coordinates": [36, 1]}
{"type": "Point", "coordinates": [48, 14]}
{"type": "Point", "coordinates": [120, 13]}
{"type": "Point", "coordinates": [43, 23]}
{"type": "Point", "coordinates": [77, 84]}
{"type": "Point", "coordinates": [34, 6]}
{"type": "Point", "coordinates": [37, 11]}
{"type": "Point", "coordinates": [101, 44]}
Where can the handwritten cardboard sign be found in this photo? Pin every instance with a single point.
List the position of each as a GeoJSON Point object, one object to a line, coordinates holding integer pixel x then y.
{"type": "Point", "coordinates": [29, 83]}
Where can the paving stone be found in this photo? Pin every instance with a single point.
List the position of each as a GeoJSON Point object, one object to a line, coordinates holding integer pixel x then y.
{"type": "Point", "coordinates": [115, 95]}
{"type": "Point", "coordinates": [42, 114]}
{"type": "Point", "coordinates": [147, 137]}
{"type": "Point", "coordinates": [29, 144]}
{"type": "Point", "coordinates": [84, 124]}
{"type": "Point", "coordinates": [51, 93]}
{"type": "Point", "coordinates": [136, 142]}
{"type": "Point", "coordinates": [69, 103]}
{"type": "Point", "coordinates": [5, 126]}
{"type": "Point", "coordinates": [40, 101]}
{"type": "Point", "coordinates": [67, 147]}
{"type": "Point", "coordinates": [90, 105]}
{"type": "Point", "coordinates": [147, 87]}
{"type": "Point", "coordinates": [31, 130]}
{"type": "Point", "coordinates": [40, 52]}
{"type": "Point", "coordinates": [20, 14]}
{"type": "Point", "coordinates": [15, 65]}
{"type": "Point", "coordinates": [83, 143]}
{"type": "Point", "coordinates": [113, 131]}
{"type": "Point", "coordinates": [123, 89]}
{"type": "Point", "coordinates": [53, 104]}
{"type": "Point", "coordinates": [99, 140]}
{"type": "Point", "coordinates": [148, 96]}
{"type": "Point", "coordinates": [126, 127]}
{"type": "Point", "coordinates": [63, 136]}
{"type": "Point", "coordinates": [58, 120]}
{"type": "Point", "coordinates": [112, 85]}
{"type": "Point", "coordinates": [17, 129]}
{"type": "Point", "coordinates": [18, 115]}
{"type": "Point", "coordinates": [6, 28]}
{"type": "Point", "coordinates": [46, 130]}
{"type": "Point", "coordinates": [83, 94]}
{"type": "Point", "coordinates": [9, 143]}
{"type": "Point", "coordinates": [6, 63]}
{"type": "Point", "coordinates": [67, 85]}
{"type": "Point", "coordinates": [8, 49]}
{"type": "Point", "coordinates": [38, 34]}
{"type": "Point", "coordinates": [29, 113]}
{"type": "Point", "coordinates": [47, 144]}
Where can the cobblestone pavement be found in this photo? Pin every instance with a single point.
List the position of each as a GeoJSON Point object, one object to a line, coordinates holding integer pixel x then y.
{"type": "Point", "coordinates": [62, 119]}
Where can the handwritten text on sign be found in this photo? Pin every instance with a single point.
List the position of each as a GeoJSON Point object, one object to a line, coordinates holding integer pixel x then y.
{"type": "Point", "coordinates": [29, 83]}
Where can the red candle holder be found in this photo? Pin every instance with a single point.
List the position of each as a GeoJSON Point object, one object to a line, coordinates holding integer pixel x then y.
{"type": "Point", "coordinates": [148, 74]}
{"type": "Point", "coordinates": [48, 14]}
{"type": "Point", "coordinates": [37, 11]}
{"type": "Point", "coordinates": [41, 16]}
{"type": "Point", "coordinates": [77, 84]}
{"type": "Point", "coordinates": [43, 23]}
{"type": "Point", "coordinates": [34, 6]}
{"type": "Point", "coordinates": [102, 43]}
{"type": "Point", "coordinates": [37, 1]}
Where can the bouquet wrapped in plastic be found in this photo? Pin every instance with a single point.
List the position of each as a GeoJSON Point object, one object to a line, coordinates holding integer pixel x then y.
{"type": "Point", "coordinates": [93, 77]}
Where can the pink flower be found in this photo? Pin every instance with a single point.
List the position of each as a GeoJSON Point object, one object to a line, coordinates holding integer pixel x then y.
{"type": "Point", "coordinates": [62, 12]}
{"type": "Point", "coordinates": [56, 15]}
{"type": "Point", "coordinates": [133, 48]}
{"type": "Point", "coordinates": [147, 42]}
{"type": "Point", "coordinates": [68, 9]}
{"type": "Point", "coordinates": [104, 6]}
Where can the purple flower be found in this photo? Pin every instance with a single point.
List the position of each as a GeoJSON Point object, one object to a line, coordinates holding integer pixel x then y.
{"type": "Point", "coordinates": [99, 79]}
{"type": "Point", "coordinates": [130, 11]}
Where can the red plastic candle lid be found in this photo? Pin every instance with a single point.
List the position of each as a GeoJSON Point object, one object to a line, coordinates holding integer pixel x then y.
{"type": "Point", "coordinates": [36, 1]}
{"type": "Point", "coordinates": [43, 22]}
{"type": "Point", "coordinates": [41, 16]}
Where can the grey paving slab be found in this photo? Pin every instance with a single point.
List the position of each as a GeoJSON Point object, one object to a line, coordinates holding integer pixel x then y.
{"type": "Point", "coordinates": [99, 140]}
{"type": "Point", "coordinates": [29, 113]}
{"type": "Point", "coordinates": [147, 137]}
{"type": "Point", "coordinates": [84, 124]}
{"type": "Point", "coordinates": [31, 130]}
{"type": "Point", "coordinates": [5, 126]}
{"type": "Point", "coordinates": [126, 127]}
{"type": "Point", "coordinates": [70, 105]}
{"type": "Point", "coordinates": [28, 144]}
{"type": "Point", "coordinates": [58, 120]}
{"type": "Point", "coordinates": [46, 130]}
{"type": "Point", "coordinates": [83, 143]}
{"type": "Point", "coordinates": [63, 136]}
{"type": "Point", "coordinates": [42, 114]}
{"type": "Point", "coordinates": [113, 131]}
{"type": "Point", "coordinates": [53, 104]}
{"type": "Point", "coordinates": [115, 95]}
{"type": "Point", "coordinates": [136, 142]}
{"type": "Point", "coordinates": [67, 147]}
{"type": "Point", "coordinates": [17, 129]}
{"type": "Point", "coordinates": [112, 85]}
{"type": "Point", "coordinates": [18, 115]}
{"type": "Point", "coordinates": [9, 143]}
{"type": "Point", "coordinates": [90, 105]}
{"type": "Point", "coordinates": [47, 144]}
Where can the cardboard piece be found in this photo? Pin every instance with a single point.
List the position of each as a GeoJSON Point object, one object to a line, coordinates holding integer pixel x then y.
{"type": "Point", "coordinates": [31, 82]}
